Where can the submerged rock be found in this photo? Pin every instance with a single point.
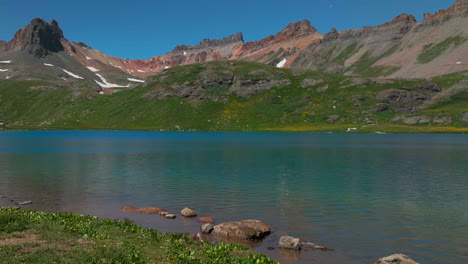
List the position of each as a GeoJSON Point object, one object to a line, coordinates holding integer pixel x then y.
{"type": "Point", "coordinates": [244, 230]}
{"type": "Point", "coordinates": [207, 219]}
{"type": "Point", "coordinates": [396, 259]}
{"type": "Point", "coordinates": [142, 210]}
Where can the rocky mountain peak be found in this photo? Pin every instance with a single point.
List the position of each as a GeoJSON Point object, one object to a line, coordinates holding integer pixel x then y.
{"type": "Point", "coordinates": [296, 29]}
{"type": "Point", "coordinates": [39, 38]}
{"type": "Point", "coordinates": [210, 43]}
{"type": "Point", "coordinates": [457, 6]}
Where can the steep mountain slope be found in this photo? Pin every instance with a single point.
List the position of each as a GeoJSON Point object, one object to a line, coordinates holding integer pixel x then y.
{"type": "Point", "coordinates": [39, 51]}
{"type": "Point", "coordinates": [400, 48]}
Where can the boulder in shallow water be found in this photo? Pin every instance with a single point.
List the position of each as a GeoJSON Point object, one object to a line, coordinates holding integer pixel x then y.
{"type": "Point", "coordinates": [170, 216]}
{"type": "Point", "coordinates": [207, 228]}
{"type": "Point", "coordinates": [187, 212]}
{"type": "Point", "coordinates": [243, 230]}
{"type": "Point", "coordinates": [396, 259]}
{"type": "Point", "coordinates": [290, 242]}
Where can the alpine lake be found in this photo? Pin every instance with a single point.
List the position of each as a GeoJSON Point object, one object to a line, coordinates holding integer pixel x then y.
{"type": "Point", "coordinates": [364, 195]}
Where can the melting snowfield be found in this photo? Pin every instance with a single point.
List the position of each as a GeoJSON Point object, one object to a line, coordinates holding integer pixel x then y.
{"type": "Point", "coordinates": [135, 80]}
{"type": "Point", "coordinates": [3, 70]}
{"type": "Point", "coordinates": [72, 74]}
{"type": "Point", "coordinates": [281, 63]}
{"type": "Point", "coordinates": [92, 69]}
{"type": "Point", "coordinates": [47, 64]}
{"type": "Point", "coordinates": [9, 61]}
{"type": "Point", "coordinates": [105, 84]}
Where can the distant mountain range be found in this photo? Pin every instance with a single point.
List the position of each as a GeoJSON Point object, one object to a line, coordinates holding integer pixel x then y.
{"type": "Point", "coordinates": [402, 47]}
{"type": "Point", "coordinates": [401, 76]}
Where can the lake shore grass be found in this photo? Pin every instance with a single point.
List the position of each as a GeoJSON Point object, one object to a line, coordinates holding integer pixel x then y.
{"type": "Point", "coordinates": [28, 236]}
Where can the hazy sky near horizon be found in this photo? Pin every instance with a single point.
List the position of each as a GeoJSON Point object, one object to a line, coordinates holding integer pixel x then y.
{"type": "Point", "coordinates": [143, 29]}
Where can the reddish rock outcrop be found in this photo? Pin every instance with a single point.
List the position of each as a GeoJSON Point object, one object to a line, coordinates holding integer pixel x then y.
{"type": "Point", "coordinates": [206, 219]}
{"type": "Point", "coordinates": [457, 6]}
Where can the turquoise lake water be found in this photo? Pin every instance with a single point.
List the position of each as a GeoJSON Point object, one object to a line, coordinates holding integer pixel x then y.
{"type": "Point", "coordinates": [364, 195]}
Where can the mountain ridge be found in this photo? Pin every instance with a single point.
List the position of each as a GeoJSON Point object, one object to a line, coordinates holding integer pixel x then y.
{"type": "Point", "coordinates": [391, 49]}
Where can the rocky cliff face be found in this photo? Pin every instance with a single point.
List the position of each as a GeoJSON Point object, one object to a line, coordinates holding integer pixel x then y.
{"type": "Point", "coordinates": [39, 38]}
{"type": "Point", "coordinates": [458, 6]}
{"type": "Point", "coordinates": [391, 49]}
{"type": "Point", "coordinates": [399, 48]}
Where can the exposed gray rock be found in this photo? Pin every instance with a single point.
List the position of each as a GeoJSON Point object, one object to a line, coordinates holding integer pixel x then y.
{"type": "Point", "coordinates": [322, 89]}
{"type": "Point", "coordinates": [464, 117]}
{"type": "Point", "coordinates": [380, 107]}
{"type": "Point", "coordinates": [416, 119]}
{"type": "Point", "coordinates": [24, 203]}
{"type": "Point", "coordinates": [359, 81]}
{"type": "Point", "coordinates": [396, 259]}
{"type": "Point", "coordinates": [333, 118]}
{"type": "Point", "coordinates": [289, 242]}
{"type": "Point", "coordinates": [207, 228]}
{"type": "Point", "coordinates": [248, 88]}
{"type": "Point", "coordinates": [442, 120]}
{"type": "Point", "coordinates": [429, 86]}
{"type": "Point", "coordinates": [170, 216]}
{"type": "Point", "coordinates": [310, 82]}
{"type": "Point", "coordinates": [244, 230]}
{"type": "Point", "coordinates": [405, 100]}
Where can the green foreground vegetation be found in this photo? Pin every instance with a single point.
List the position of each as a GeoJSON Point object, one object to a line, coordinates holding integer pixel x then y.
{"type": "Point", "coordinates": [331, 103]}
{"type": "Point", "coordinates": [28, 236]}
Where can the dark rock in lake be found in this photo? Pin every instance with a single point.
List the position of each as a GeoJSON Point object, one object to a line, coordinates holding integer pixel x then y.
{"type": "Point", "coordinates": [243, 230]}
{"type": "Point", "coordinates": [396, 259]}
{"type": "Point", "coordinates": [289, 242]}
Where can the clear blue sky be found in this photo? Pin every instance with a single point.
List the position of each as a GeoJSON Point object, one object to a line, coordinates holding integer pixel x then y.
{"type": "Point", "coordinates": [142, 29]}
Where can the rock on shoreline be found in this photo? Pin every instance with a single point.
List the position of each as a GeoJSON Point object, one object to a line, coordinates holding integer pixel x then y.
{"type": "Point", "coordinates": [244, 230]}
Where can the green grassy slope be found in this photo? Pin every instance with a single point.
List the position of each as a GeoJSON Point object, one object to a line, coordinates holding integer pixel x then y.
{"type": "Point", "coordinates": [293, 106]}
{"type": "Point", "coordinates": [37, 237]}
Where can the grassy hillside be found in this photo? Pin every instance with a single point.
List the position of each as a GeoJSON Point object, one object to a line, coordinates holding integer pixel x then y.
{"type": "Point", "coordinates": [37, 237]}
{"type": "Point", "coordinates": [203, 97]}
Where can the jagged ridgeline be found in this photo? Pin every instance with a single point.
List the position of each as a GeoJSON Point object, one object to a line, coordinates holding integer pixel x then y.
{"type": "Point", "coordinates": [297, 79]}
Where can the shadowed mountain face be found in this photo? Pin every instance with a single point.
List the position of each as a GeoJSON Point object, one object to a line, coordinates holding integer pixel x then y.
{"type": "Point", "coordinates": [39, 38]}
{"type": "Point", "coordinates": [402, 47]}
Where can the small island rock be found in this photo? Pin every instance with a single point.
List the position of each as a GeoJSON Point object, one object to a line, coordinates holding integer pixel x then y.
{"type": "Point", "coordinates": [187, 212]}
{"type": "Point", "coordinates": [396, 259]}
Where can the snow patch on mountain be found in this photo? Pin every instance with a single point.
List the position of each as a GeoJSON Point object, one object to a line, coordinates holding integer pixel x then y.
{"type": "Point", "coordinates": [8, 61]}
{"type": "Point", "coordinates": [72, 74]}
{"type": "Point", "coordinates": [48, 64]}
{"type": "Point", "coordinates": [106, 84]}
{"type": "Point", "coordinates": [281, 63]}
{"type": "Point", "coordinates": [135, 80]}
{"type": "Point", "coordinates": [92, 69]}
{"type": "Point", "coordinates": [3, 70]}
{"type": "Point", "coordinates": [88, 58]}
